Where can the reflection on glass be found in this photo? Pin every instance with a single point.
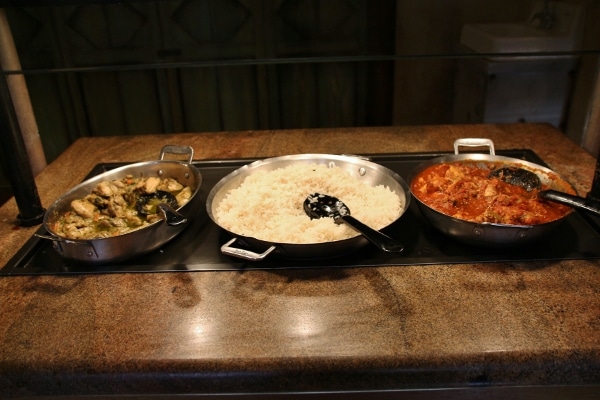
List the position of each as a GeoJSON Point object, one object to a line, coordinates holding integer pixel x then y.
{"type": "Point", "coordinates": [135, 67]}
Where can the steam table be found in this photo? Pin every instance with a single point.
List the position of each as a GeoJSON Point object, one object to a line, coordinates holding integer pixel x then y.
{"type": "Point", "coordinates": [476, 329]}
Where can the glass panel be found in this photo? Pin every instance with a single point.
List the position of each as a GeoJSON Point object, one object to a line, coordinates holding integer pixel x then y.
{"type": "Point", "coordinates": [134, 67]}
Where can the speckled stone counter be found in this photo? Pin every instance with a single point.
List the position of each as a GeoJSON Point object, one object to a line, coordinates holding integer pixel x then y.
{"type": "Point", "coordinates": [468, 331]}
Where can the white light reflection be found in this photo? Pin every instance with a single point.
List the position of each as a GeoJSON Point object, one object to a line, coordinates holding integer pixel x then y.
{"type": "Point", "coordinates": [306, 320]}
{"type": "Point", "coordinates": [202, 331]}
{"type": "Point", "coordinates": [198, 330]}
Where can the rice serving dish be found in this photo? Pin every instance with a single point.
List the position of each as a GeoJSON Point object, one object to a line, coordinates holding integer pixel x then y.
{"type": "Point", "coordinates": [261, 203]}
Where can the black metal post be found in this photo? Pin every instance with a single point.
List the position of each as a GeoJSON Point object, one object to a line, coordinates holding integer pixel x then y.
{"type": "Point", "coordinates": [594, 194]}
{"type": "Point", "coordinates": [16, 162]}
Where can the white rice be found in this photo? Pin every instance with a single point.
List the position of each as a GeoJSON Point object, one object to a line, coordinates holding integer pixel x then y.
{"type": "Point", "coordinates": [268, 205]}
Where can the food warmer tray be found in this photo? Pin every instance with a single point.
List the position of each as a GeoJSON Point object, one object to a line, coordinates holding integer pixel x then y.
{"type": "Point", "coordinates": [197, 248]}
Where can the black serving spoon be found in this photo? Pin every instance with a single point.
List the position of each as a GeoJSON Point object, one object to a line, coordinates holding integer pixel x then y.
{"type": "Point", "coordinates": [530, 181]}
{"type": "Point", "coordinates": [163, 202]}
{"type": "Point", "coordinates": [321, 205]}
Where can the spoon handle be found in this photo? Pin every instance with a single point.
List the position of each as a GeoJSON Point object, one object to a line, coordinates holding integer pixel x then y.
{"type": "Point", "coordinates": [172, 217]}
{"type": "Point", "coordinates": [572, 201]}
{"type": "Point", "coordinates": [379, 239]}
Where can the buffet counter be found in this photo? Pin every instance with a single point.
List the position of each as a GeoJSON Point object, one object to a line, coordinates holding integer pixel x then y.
{"type": "Point", "coordinates": [472, 330]}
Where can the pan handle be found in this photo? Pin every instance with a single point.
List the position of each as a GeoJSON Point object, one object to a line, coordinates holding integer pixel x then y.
{"type": "Point", "coordinates": [175, 149]}
{"type": "Point", "coordinates": [245, 254]}
{"type": "Point", "coordinates": [474, 142]}
{"type": "Point", "coordinates": [582, 203]}
{"type": "Point", "coordinates": [57, 243]}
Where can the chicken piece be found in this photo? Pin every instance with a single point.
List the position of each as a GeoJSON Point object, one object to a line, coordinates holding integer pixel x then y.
{"type": "Point", "coordinates": [99, 201]}
{"type": "Point", "coordinates": [120, 200]}
{"type": "Point", "coordinates": [115, 210]}
{"type": "Point", "coordinates": [119, 184]}
{"type": "Point", "coordinates": [104, 224]}
{"type": "Point", "coordinates": [490, 190]}
{"type": "Point", "coordinates": [170, 185]}
{"type": "Point", "coordinates": [104, 189]}
{"type": "Point", "coordinates": [436, 183]}
{"type": "Point", "coordinates": [184, 196]}
{"type": "Point", "coordinates": [153, 218]}
{"type": "Point", "coordinates": [75, 232]}
{"type": "Point", "coordinates": [130, 212]}
{"type": "Point", "coordinates": [134, 221]}
{"type": "Point", "coordinates": [454, 173]}
{"type": "Point", "coordinates": [83, 208]}
{"type": "Point", "coordinates": [118, 223]}
{"type": "Point", "coordinates": [151, 184]}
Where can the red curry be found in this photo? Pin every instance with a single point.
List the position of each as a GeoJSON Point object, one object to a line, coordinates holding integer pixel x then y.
{"type": "Point", "coordinates": [464, 190]}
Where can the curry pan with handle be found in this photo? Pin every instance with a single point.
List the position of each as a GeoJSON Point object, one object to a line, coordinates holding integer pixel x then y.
{"type": "Point", "coordinates": [489, 234]}
{"type": "Point", "coordinates": [133, 243]}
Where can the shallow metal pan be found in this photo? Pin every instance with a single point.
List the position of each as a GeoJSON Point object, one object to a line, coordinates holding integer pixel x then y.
{"type": "Point", "coordinates": [137, 242]}
{"type": "Point", "coordinates": [489, 234]}
{"type": "Point", "coordinates": [255, 249]}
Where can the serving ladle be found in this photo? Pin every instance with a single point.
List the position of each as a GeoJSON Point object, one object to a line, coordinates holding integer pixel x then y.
{"type": "Point", "coordinates": [529, 181]}
{"type": "Point", "coordinates": [321, 205]}
{"type": "Point", "coordinates": [163, 202]}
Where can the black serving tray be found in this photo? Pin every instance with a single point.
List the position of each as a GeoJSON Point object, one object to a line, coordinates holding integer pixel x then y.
{"type": "Point", "coordinates": [197, 248]}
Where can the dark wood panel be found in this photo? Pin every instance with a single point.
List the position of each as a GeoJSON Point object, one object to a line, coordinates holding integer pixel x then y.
{"type": "Point", "coordinates": [202, 98]}
{"type": "Point", "coordinates": [102, 99]}
{"type": "Point", "coordinates": [297, 91]}
{"type": "Point", "coordinates": [209, 29]}
{"type": "Point", "coordinates": [199, 89]}
{"type": "Point", "coordinates": [337, 95]}
{"type": "Point", "coordinates": [238, 98]}
{"type": "Point", "coordinates": [140, 101]}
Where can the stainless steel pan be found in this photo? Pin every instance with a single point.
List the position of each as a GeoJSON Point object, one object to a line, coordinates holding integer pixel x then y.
{"type": "Point", "coordinates": [141, 241]}
{"type": "Point", "coordinates": [489, 234]}
{"type": "Point", "coordinates": [256, 249]}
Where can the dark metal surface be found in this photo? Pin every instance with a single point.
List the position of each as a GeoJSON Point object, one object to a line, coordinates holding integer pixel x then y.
{"type": "Point", "coordinates": [198, 247]}
{"type": "Point", "coordinates": [594, 193]}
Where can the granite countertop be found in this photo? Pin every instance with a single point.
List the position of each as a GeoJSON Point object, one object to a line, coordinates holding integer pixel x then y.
{"type": "Point", "coordinates": [495, 326]}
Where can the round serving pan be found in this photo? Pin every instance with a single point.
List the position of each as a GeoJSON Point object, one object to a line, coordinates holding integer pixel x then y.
{"type": "Point", "coordinates": [255, 249]}
{"type": "Point", "coordinates": [137, 242]}
{"type": "Point", "coordinates": [489, 234]}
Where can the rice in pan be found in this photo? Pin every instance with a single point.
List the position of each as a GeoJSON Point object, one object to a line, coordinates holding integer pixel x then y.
{"type": "Point", "coordinates": [268, 205]}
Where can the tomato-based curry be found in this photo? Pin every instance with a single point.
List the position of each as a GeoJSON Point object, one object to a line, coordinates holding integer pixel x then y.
{"type": "Point", "coordinates": [465, 191]}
